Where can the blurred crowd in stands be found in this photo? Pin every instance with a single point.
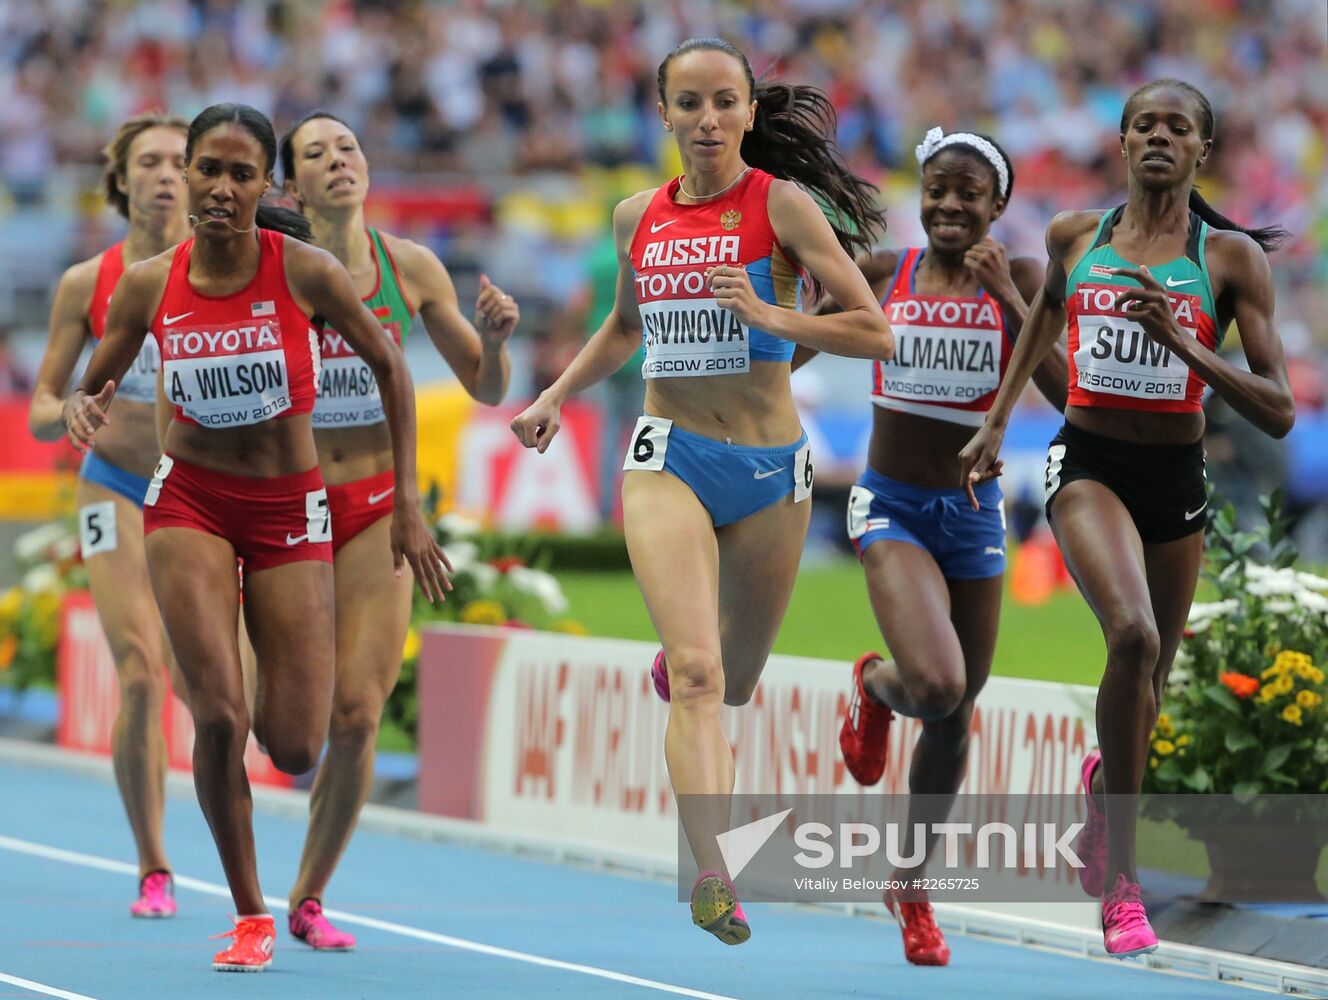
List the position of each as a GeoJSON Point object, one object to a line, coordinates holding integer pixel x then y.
{"type": "Point", "coordinates": [502, 132]}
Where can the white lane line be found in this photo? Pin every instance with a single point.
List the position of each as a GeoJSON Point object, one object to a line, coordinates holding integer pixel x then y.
{"type": "Point", "coordinates": [50, 991]}
{"type": "Point", "coordinates": [216, 889]}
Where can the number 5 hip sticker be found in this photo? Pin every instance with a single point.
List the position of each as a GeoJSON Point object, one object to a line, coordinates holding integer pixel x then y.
{"type": "Point", "coordinates": [802, 474]}
{"type": "Point", "coordinates": [650, 440]}
{"type": "Point", "coordinates": [96, 528]}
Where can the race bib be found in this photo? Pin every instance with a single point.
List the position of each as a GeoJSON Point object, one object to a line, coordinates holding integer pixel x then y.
{"type": "Point", "coordinates": [802, 473]}
{"type": "Point", "coordinates": [159, 475]}
{"type": "Point", "coordinates": [693, 337]}
{"type": "Point", "coordinates": [650, 440]}
{"type": "Point", "coordinates": [318, 516]}
{"type": "Point", "coordinates": [1116, 356]}
{"type": "Point", "coordinates": [227, 375]}
{"type": "Point", "coordinates": [942, 364]}
{"type": "Point", "coordinates": [96, 528]}
{"type": "Point", "coordinates": [347, 390]}
{"type": "Point", "coordinates": [139, 384]}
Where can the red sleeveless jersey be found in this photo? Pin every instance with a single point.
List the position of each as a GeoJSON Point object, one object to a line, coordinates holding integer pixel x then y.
{"type": "Point", "coordinates": [139, 384]}
{"type": "Point", "coordinates": [241, 358]}
{"type": "Point", "coordinates": [951, 351]}
{"type": "Point", "coordinates": [685, 330]}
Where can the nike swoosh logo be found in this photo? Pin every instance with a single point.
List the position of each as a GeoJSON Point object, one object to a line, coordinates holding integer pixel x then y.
{"type": "Point", "coordinates": [295, 539]}
{"type": "Point", "coordinates": [375, 497]}
{"type": "Point", "coordinates": [1190, 515]}
{"type": "Point", "coordinates": [1172, 283]}
{"type": "Point", "coordinates": [168, 320]}
{"type": "Point", "coordinates": [654, 228]}
{"type": "Point", "coordinates": [767, 475]}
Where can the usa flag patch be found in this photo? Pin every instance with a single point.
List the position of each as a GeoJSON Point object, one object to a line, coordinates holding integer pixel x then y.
{"type": "Point", "coordinates": [268, 307]}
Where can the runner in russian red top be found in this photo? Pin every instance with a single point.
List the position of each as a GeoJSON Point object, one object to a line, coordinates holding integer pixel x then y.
{"type": "Point", "coordinates": [710, 278]}
{"type": "Point", "coordinates": [934, 565]}
{"type": "Point", "coordinates": [1147, 290]}
{"type": "Point", "coordinates": [142, 181]}
{"type": "Point", "coordinates": [326, 171]}
{"type": "Point", "coordinates": [231, 312]}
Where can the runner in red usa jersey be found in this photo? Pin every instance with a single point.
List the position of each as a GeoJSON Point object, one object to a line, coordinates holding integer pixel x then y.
{"type": "Point", "coordinates": [142, 181]}
{"type": "Point", "coordinates": [1147, 290]}
{"type": "Point", "coordinates": [718, 471]}
{"type": "Point", "coordinates": [231, 312]}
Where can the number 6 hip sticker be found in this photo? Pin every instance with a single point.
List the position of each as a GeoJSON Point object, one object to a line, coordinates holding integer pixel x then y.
{"type": "Point", "coordinates": [96, 528]}
{"type": "Point", "coordinates": [650, 440]}
{"type": "Point", "coordinates": [803, 475]}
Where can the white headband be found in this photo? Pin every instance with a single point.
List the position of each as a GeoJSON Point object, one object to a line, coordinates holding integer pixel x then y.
{"type": "Point", "coordinates": [935, 140]}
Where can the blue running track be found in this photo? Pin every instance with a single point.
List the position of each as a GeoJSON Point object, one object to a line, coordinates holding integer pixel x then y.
{"type": "Point", "coordinates": [438, 920]}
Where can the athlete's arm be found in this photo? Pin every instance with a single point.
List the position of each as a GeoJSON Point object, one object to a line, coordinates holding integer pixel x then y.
{"type": "Point", "coordinates": [127, 322]}
{"type": "Point", "coordinates": [859, 331]}
{"type": "Point", "coordinates": [878, 267]}
{"type": "Point", "coordinates": [607, 350]}
{"type": "Point", "coordinates": [323, 287]}
{"type": "Point", "coordinates": [1261, 395]}
{"type": "Point", "coordinates": [478, 353]}
{"type": "Point", "coordinates": [979, 460]}
{"type": "Point", "coordinates": [68, 333]}
{"type": "Point", "coordinates": [1051, 376]}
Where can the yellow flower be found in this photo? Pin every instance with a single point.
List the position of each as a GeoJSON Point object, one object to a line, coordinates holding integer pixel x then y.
{"type": "Point", "coordinates": [1268, 692]}
{"type": "Point", "coordinates": [1291, 714]}
{"type": "Point", "coordinates": [1316, 675]}
{"type": "Point", "coordinates": [1270, 672]}
{"type": "Point", "coordinates": [571, 626]}
{"type": "Point", "coordinates": [412, 647]}
{"type": "Point", "coordinates": [1164, 747]}
{"type": "Point", "coordinates": [1308, 699]}
{"type": "Point", "coordinates": [1273, 648]}
{"type": "Point", "coordinates": [1183, 740]}
{"type": "Point", "coordinates": [1284, 684]}
{"type": "Point", "coordinates": [10, 604]}
{"type": "Point", "coordinates": [1164, 726]}
{"type": "Point", "coordinates": [1152, 762]}
{"type": "Point", "coordinates": [483, 612]}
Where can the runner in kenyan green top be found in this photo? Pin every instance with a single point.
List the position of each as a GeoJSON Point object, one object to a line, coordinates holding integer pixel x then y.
{"type": "Point", "coordinates": [1112, 361]}
{"type": "Point", "coordinates": [347, 391]}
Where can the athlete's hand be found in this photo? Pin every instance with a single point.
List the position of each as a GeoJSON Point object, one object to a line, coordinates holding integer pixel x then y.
{"type": "Point", "coordinates": [980, 460]}
{"type": "Point", "coordinates": [536, 425]}
{"type": "Point", "coordinates": [413, 543]}
{"type": "Point", "coordinates": [733, 290]}
{"type": "Point", "coordinates": [496, 313]}
{"type": "Point", "coordinates": [83, 414]}
{"type": "Point", "coordinates": [1148, 305]}
{"type": "Point", "coordinates": [987, 262]}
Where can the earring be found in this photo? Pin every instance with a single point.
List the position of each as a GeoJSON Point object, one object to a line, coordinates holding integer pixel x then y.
{"type": "Point", "coordinates": [668, 127]}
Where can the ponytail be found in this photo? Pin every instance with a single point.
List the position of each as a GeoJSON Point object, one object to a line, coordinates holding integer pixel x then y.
{"type": "Point", "coordinates": [284, 220]}
{"type": "Point", "coordinates": [792, 138]}
{"type": "Point", "coordinates": [1268, 237]}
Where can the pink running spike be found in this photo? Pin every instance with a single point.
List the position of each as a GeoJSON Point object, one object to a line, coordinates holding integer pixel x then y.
{"type": "Point", "coordinates": [659, 673]}
{"type": "Point", "coordinates": [308, 924]}
{"type": "Point", "coordinates": [156, 897]}
{"type": "Point", "coordinates": [1125, 927]}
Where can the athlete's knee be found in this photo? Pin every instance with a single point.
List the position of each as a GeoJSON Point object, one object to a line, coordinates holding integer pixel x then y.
{"type": "Point", "coordinates": [139, 671]}
{"type": "Point", "coordinates": [937, 694]}
{"type": "Point", "coordinates": [355, 720]}
{"type": "Point", "coordinates": [695, 676]}
{"type": "Point", "coordinates": [221, 728]}
{"type": "Point", "coordinates": [1132, 639]}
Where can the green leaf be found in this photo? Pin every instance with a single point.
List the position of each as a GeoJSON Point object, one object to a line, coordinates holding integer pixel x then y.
{"type": "Point", "coordinates": [1247, 789]}
{"type": "Point", "coordinates": [1198, 780]}
{"type": "Point", "coordinates": [1219, 694]}
{"type": "Point", "coordinates": [1238, 740]}
{"type": "Point", "coordinates": [1169, 770]}
{"type": "Point", "coordinates": [1275, 758]}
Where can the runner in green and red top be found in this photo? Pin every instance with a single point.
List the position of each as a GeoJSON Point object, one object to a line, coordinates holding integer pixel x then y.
{"type": "Point", "coordinates": [327, 173]}
{"type": "Point", "coordinates": [1147, 290]}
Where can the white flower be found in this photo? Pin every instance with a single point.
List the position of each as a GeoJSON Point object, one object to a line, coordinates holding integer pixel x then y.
{"type": "Point", "coordinates": [459, 526]}
{"type": "Point", "coordinates": [32, 544]}
{"type": "Point", "coordinates": [1311, 582]}
{"type": "Point", "coordinates": [40, 579]}
{"type": "Point", "coordinates": [539, 584]}
{"type": "Point", "coordinates": [461, 554]}
{"type": "Point", "coordinates": [484, 575]}
{"type": "Point", "coordinates": [1281, 606]}
{"type": "Point", "coordinates": [1200, 625]}
{"type": "Point", "coordinates": [1312, 601]}
{"type": "Point", "coordinates": [1218, 609]}
{"type": "Point", "coordinates": [1230, 571]}
{"type": "Point", "coordinates": [1283, 584]}
{"type": "Point", "coordinates": [65, 548]}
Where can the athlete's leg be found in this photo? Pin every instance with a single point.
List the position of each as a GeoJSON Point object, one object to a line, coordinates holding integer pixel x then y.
{"type": "Point", "coordinates": [1106, 558]}
{"type": "Point", "coordinates": [1173, 576]}
{"type": "Point", "coordinates": [288, 610]}
{"type": "Point", "coordinates": [372, 616]}
{"type": "Point", "coordinates": [193, 577]}
{"type": "Point", "coordinates": [758, 563]}
{"type": "Point", "coordinates": [118, 579]}
{"type": "Point", "coordinates": [675, 558]}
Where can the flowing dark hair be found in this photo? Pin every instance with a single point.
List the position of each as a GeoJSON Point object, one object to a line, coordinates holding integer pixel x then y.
{"type": "Point", "coordinates": [287, 147]}
{"type": "Point", "coordinates": [981, 157]}
{"type": "Point", "coordinates": [116, 153]}
{"type": "Point", "coordinates": [792, 138]}
{"type": "Point", "coordinates": [253, 121]}
{"type": "Point", "coordinates": [1268, 237]}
